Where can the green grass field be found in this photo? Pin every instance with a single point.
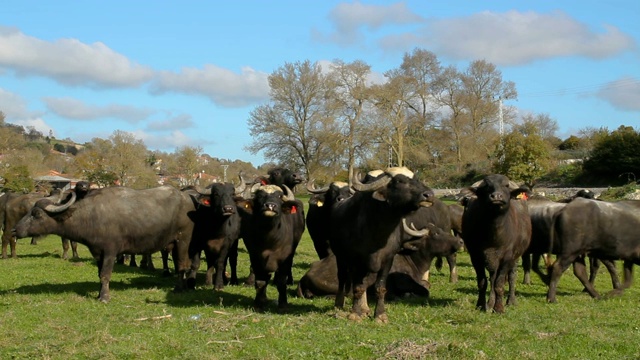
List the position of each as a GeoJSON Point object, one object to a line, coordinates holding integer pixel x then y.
{"type": "Point", "coordinates": [48, 310]}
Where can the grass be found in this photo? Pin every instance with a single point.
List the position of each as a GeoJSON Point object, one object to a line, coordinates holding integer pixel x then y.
{"type": "Point", "coordinates": [48, 310]}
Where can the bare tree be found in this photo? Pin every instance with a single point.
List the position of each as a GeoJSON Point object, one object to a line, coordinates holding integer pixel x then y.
{"type": "Point", "coordinates": [292, 128]}
{"type": "Point", "coordinates": [351, 97]}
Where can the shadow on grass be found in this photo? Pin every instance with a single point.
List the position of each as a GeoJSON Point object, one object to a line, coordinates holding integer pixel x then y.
{"type": "Point", "coordinates": [228, 298]}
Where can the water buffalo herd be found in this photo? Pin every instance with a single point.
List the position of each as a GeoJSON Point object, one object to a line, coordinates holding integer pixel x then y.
{"type": "Point", "coordinates": [375, 236]}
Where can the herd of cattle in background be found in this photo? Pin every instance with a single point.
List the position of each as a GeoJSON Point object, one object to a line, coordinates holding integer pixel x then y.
{"type": "Point", "coordinates": [377, 236]}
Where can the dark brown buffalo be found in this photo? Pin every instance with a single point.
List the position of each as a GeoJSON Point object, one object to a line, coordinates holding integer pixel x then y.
{"type": "Point", "coordinates": [407, 272]}
{"type": "Point", "coordinates": [497, 230]}
{"type": "Point", "coordinates": [272, 225]}
{"type": "Point", "coordinates": [366, 234]}
{"type": "Point", "coordinates": [12, 208]}
{"type": "Point", "coordinates": [606, 230]}
{"type": "Point", "coordinates": [118, 220]}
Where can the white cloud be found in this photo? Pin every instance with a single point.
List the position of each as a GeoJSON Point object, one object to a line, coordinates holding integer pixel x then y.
{"type": "Point", "coordinates": [69, 61]}
{"type": "Point", "coordinates": [513, 38]}
{"type": "Point", "coordinates": [622, 94]}
{"type": "Point", "coordinates": [76, 109]}
{"type": "Point", "coordinates": [169, 142]}
{"type": "Point", "coordinates": [181, 121]}
{"type": "Point", "coordinates": [349, 18]}
{"type": "Point", "coordinates": [16, 111]}
{"type": "Point", "coordinates": [13, 105]}
{"type": "Point", "coordinates": [221, 86]}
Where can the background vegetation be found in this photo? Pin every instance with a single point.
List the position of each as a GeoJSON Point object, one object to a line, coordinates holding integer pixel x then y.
{"type": "Point", "coordinates": [49, 311]}
{"type": "Point", "coordinates": [448, 124]}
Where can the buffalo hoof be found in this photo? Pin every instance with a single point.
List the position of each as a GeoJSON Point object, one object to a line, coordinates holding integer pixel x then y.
{"type": "Point", "coordinates": [382, 319]}
{"type": "Point", "coordinates": [354, 317]}
{"type": "Point", "coordinates": [615, 293]}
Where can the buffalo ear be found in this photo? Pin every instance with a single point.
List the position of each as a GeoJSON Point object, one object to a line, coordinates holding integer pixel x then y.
{"type": "Point", "coordinates": [291, 207]}
{"type": "Point", "coordinates": [379, 195]}
{"type": "Point", "coordinates": [204, 200]}
{"type": "Point", "coordinates": [412, 245]}
{"type": "Point", "coordinates": [521, 193]}
{"type": "Point", "coordinates": [246, 206]}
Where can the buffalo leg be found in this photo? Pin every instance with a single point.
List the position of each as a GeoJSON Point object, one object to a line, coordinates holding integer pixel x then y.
{"type": "Point", "coordinates": [613, 272]}
{"type": "Point", "coordinates": [280, 279]}
{"type": "Point", "coordinates": [628, 278]}
{"type": "Point", "coordinates": [513, 273]}
{"type": "Point", "coordinates": [262, 280]}
{"type": "Point", "coordinates": [559, 266]}
{"type": "Point", "coordinates": [219, 265]}
{"type": "Point", "coordinates": [232, 257]}
{"type": "Point", "coordinates": [165, 262]}
{"type": "Point", "coordinates": [65, 248]}
{"type": "Point", "coordinates": [195, 265]}
{"type": "Point", "coordinates": [453, 269]}
{"type": "Point", "coordinates": [481, 280]}
{"type": "Point", "coordinates": [526, 266]}
{"type": "Point", "coordinates": [105, 268]}
{"type": "Point", "coordinates": [8, 240]}
{"type": "Point", "coordinates": [342, 282]}
{"type": "Point", "coordinates": [580, 271]}
{"type": "Point", "coordinates": [380, 314]}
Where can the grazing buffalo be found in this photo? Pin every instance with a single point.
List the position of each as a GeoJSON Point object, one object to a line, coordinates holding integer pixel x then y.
{"type": "Point", "coordinates": [319, 213]}
{"type": "Point", "coordinates": [272, 225]}
{"type": "Point", "coordinates": [601, 229]}
{"type": "Point", "coordinates": [365, 234]}
{"type": "Point", "coordinates": [118, 220]}
{"type": "Point", "coordinates": [405, 276]}
{"type": "Point", "coordinates": [217, 228]}
{"type": "Point", "coordinates": [497, 231]}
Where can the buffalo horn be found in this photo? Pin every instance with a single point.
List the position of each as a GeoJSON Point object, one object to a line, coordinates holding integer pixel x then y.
{"type": "Point", "coordinates": [477, 184]}
{"type": "Point", "coordinates": [288, 194]}
{"type": "Point", "coordinates": [52, 208]}
{"type": "Point", "coordinates": [411, 230]}
{"type": "Point", "coordinates": [312, 188]}
{"type": "Point", "coordinates": [243, 185]}
{"type": "Point", "coordinates": [375, 185]}
{"type": "Point", "coordinates": [513, 185]}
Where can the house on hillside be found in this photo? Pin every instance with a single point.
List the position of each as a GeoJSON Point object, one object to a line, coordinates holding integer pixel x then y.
{"type": "Point", "coordinates": [56, 180]}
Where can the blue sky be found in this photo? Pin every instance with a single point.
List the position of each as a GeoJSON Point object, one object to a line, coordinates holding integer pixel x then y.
{"type": "Point", "coordinates": [190, 72]}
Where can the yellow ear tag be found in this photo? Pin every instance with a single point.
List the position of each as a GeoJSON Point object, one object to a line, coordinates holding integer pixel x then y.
{"type": "Point", "coordinates": [522, 196]}
{"type": "Point", "coordinates": [319, 203]}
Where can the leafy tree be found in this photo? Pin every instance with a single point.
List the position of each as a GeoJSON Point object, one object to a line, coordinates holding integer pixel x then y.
{"type": "Point", "coordinates": [523, 157]}
{"type": "Point", "coordinates": [615, 157]}
{"type": "Point", "coordinates": [18, 179]}
{"type": "Point", "coordinates": [187, 165]}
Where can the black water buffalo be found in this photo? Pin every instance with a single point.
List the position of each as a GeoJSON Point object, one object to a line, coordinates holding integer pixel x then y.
{"type": "Point", "coordinates": [439, 215]}
{"type": "Point", "coordinates": [497, 230]}
{"type": "Point", "coordinates": [118, 220]}
{"type": "Point", "coordinates": [272, 225]}
{"type": "Point", "coordinates": [217, 228]}
{"type": "Point", "coordinates": [542, 211]}
{"type": "Point", "coordinates": [365, 234]}
{"type": "Point", "coordinates": [281, 176]}
{"type": "Point", "coordinates": [278, 176]}
{"type": "Point", "coordinates": [605, 230]}
{"type": "Point", "coordinates": [406, 273]}
{"type": "Point", "coordinates": [319, 213]}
